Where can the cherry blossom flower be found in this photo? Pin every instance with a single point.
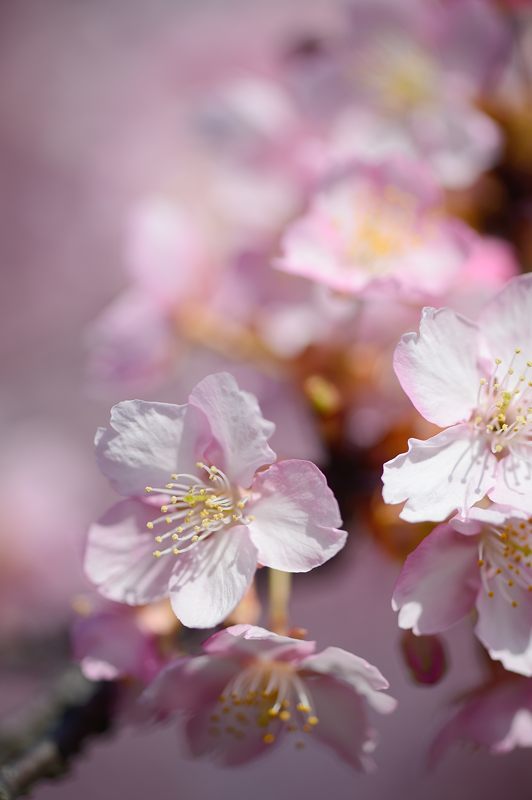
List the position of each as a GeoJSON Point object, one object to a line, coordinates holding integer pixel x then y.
{"type": "Point", "coordinates": [114, 642]}
{"type": "Point", "coordinates": [251, 688]}
{"type": "Point", "coordinates": [218, 514]}
{"type": "Point", "coordinates": [474, 380]}
{"type": "Point", "coordinates": [484, 562]}
{"type": "Point", "coordinates": [406, 78]}
{"type": "Point", "coordinates": [496, 717]}
{"type": "Point", "coordinates": [379, 225]}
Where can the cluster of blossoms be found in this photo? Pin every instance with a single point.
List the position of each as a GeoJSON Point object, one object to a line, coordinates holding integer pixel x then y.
{"type": "Point", "coordinates": [321, 206]}
{"type": "Point", "coordinates": [327, 227]}
{"type": "Point", "coordinates": [477, 471]}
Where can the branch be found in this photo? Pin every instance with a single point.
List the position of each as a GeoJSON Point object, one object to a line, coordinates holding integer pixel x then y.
{"type": "Point", "coordinates": [46, 744]}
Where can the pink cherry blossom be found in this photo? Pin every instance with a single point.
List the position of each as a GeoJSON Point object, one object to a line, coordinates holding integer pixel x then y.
{"type": "Point", "coordinates": [407, 77]}
{"type": "Point", "coordinates": [496, 717]}
{"type": "Point", "coordinates": [474, 380]}
{"type": "Point", "coordinates": [379, 225]}
{"type": "Point", "coordinates": [483, 562]}
{"type": "Point", "coordinates": [113, 643]}
{"type": "Point", "coordinates": [192, 475]}
{"type": "Point", "coordinates": [251, 688]}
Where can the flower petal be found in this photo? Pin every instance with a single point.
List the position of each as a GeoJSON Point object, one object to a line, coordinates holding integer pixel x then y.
{"type": "Point", "coordinates": [211, 579]}
{"type": "Point", "coordinates": [246, 640]}
{"type": "Point", "coordinates": [438, 583]}
{"type": "Point", "coordinates": [229, 744]}
{"type": "Point", "coordinates": [343, 723]}
{"type": "Point", "coordinates": [505, 630]}
{"type": "Point", "coordinates": [188, 684]}
{"type": "Point", "coordinates": [359, 674]}
{"type": "Point", "coordinates": [437, 367]}
{"type": "Point", "coordinates": [119, 556]}
{"type": "Point", "coordinates": [295, 517]}
{"type": "Point", "coordinates": [146, 443]}
{"type": "Point", "coordinates": [240, 431]}
{"type": "Point", "coordinates": [513, 486]}
{"type": "Point", "coordinates": [450, 471]}
{"type": "Point", "coordinates": [506, 323]}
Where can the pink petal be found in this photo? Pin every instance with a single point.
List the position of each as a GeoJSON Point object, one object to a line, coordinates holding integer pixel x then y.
{"type": "Point", "coordinates": [205, 737]}
{"type": "Point", "coordinates": [210, 580]}
{"type": "Point", "coordinates": [437, 368]}
{"type": "Point", "coordinates": [506, 631]}
{"type": "Point", "coordinates": [240, 431]}
{"type": "Point", "coordinates": [146, 443]}
{"type": "Point", "coordinates": [513, 486]}
{"type": "Point", "coordinates": [343, 723]}
{"type": "Point", "coordinates": [451, 471]}
{"type": "Point", "coordinates": [506, 323]}
{"type": "Point", "coordinates": [189, 685]}
{"type": "Point", "coordinates": [438, 583]}
{"type": "Point", "coordinates": [296, 517]}
{"type": "Point", "coordinates": [498, 718]}
{"type": "Point", "coordinates": [119, 556]}
{"type": "Point", "coordinates": [249, 640]}
{"type": "Point", "coordinates": [111, 645]}
{"type": "Point", "coordinates": [359, 674]}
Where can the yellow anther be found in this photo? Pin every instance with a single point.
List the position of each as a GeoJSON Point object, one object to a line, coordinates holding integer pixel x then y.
{"type": "Point", "coordinates": [490, 594]}
{"type": "Point", "coordinates": [175, 537]}
{"type": "Point", "coordinates": [313, 720]}
{"type": "Point", "coordinates": [284, 715]}
{"type": "Point", "coordinates": [168, 520]}
{"type": "Point", "coordinates": [164, 509]}
{"type": "Point", "coordinates": [498, 361]}
{"type": "Point", "coordinates": [159, 539]}
{"type": "Point", "coordinates": [480, 562]}
{"type": "Point", "coordinates": [148, 489]}
{"type": "Point", "coordinates": [497, 448]}
{"type": "Point", "coordinates": [303, 708]}
{"type": "Point", "coordinates": [176, 551]}
{"type": "Point", "coordinates": [157, 554]}
{"type": "Point", "coordinates": [195, 538]}
{"type": "Point", "coordinates": [200, 464]}
{"type": "Point", "coordinates": [483, 381]}
{"type": "Point", "coordinates": [268, 738]}
{"type": "Point", "coordinates": [149, 526]}
{"type": "Point", "coordinates": [518, 350]}
{"type": "Point", "coordinates": [273, 712]}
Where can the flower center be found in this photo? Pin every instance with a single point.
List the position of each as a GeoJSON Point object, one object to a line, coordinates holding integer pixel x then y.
{"type": "Point", "coordinates": [383, 232]}
{"type": "Point", "coordinates": [197, 508]}
{"type": "Point", "coordinates": [505, 559]}
{"type": "Point", "coordinates": [267, 694]}
{"type": "Point", "coordinates": [504, 405]}
{"type": "Point", "coordinates": [399, 74]}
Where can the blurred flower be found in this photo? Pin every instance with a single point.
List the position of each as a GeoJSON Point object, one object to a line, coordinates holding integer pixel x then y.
{"type": "Point", "coordinates": [449, 372]}
{"type": "Point", "coordinates": [251, 688]}
{"type": "Point", "coordinates": [378, 226]}
{"type": "Point", "coordinates": [425, 657]}
{"type": "Point", "coordinates": [114, 643]}
{"type": "Point", "coordinates": [222, 517]}
{"type": "Point", "coordinates": [484, 563]}
{"type": "Point", "coordinates": [409, 75]}
{"type": "Point", "coordinates": [497, 717]}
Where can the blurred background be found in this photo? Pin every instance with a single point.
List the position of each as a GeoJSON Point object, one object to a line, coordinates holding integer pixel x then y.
{"type": "Point", "coordinates": [109, 109]}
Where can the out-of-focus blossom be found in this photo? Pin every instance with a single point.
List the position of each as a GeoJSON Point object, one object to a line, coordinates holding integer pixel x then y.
{"type": "Point", "coordinates": [497, 717]}
{"type": "Point", "coordinates": [484, 562]}
{"type": "Point", "coordinates": [413, 72]}
{"type": "Point", "coordinates": [41, 530]}
{"type": "Point", "coordinates": [219, 517]}
{"type": "Point", "coordinates": [251, 688]}
{"type": "Point", "coordinates": [425, 658]}
{"type": "Point", "coordinates": [134, 342]}
{"type": "Point", "coordinates": [381, 225]}
{"type": "Point", "coordinates": [114, 642]}
{"type": "Point", "coordinates": [475, 381]}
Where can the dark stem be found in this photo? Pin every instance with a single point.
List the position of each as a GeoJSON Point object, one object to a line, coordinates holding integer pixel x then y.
{"type": "Point", "coordinates": [84, 710]}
